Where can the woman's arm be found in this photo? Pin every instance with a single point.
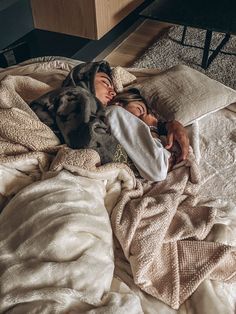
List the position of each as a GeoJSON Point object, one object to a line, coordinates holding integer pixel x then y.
{"type": "Point", "coordinates": [148, 154]}
{"type": "Point", "coordinates": [177, 133]}
{"type": "Point", "coordinates": [174, 131]}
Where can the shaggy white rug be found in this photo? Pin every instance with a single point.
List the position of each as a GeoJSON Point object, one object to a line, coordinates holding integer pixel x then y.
{"type": "Point", "coordinates": [168, 51]}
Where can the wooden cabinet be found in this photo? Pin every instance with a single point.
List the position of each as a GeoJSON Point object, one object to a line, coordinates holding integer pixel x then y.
{"type": "Point", "coordinates": [84, 18]}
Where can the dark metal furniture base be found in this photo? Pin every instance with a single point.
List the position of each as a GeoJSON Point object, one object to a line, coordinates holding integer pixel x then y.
{"type": "Point", "coordinates": [206, 59]}
{"type": "Point", "coordinates": [211, 15]}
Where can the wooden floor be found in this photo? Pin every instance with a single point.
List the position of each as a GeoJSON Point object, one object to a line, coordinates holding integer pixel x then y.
{"type": "Point", "coordinates": [136, 43]}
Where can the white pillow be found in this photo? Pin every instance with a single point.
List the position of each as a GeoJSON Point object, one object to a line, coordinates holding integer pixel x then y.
{"type": "Point", "coordinates": [121, 78]}
{"type": "Point", "coordinates": [185, 94]}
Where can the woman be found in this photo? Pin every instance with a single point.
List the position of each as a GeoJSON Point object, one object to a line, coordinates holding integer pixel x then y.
{"type": "Point", "coordinates": [135, 127]}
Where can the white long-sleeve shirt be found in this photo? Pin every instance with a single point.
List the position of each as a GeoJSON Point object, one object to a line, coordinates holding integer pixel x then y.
{"type": "Point", "coordinates": [147, 153]}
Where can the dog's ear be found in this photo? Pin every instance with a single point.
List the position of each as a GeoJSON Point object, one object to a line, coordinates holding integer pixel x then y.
{"type": "Point", "coordinates": [78, 138]}
{"type": "Point", "coordinates": [75, 108]}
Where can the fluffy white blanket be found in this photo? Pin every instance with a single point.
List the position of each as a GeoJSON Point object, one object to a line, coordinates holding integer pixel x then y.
{"type": "Point", "coordinates": [56, 245]}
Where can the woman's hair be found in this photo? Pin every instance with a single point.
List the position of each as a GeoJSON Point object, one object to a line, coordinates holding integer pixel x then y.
{"type": "Point", "coordinates": [127, 96]}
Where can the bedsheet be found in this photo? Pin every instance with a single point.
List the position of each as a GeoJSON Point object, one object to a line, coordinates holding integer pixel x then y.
{"type": "Point", "coordinates": [80, 238]}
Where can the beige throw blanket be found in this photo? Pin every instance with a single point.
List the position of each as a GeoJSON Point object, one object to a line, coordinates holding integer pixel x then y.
{"type": "Point", "coordinates": [162, 234]}
{"type": "Point", "coordinates": [20, 128]}
{"type": "Point", "coordinates": [27, 145]}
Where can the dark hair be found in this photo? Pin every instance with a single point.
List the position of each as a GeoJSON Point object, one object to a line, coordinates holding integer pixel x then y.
{"type": "Point", "coordinates": [105, 68]}
{"type": "Point", "coordinates": [83, 74]}
{"type": "Point", "coordinates": [128, 95]}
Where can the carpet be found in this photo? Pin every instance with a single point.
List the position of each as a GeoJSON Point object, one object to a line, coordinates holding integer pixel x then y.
{"type": "Point", "coordinates": [168, 51]}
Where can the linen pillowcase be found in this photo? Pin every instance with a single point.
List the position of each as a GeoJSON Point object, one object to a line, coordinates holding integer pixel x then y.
{"type": "Point", "coordinates": [121, 78]}
{"type": "Point", "coordinates": [185, 94]}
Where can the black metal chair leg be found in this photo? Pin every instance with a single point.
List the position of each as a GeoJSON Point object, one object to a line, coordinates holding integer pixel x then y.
{"type": "Point", "coordinates": [183, 35]}
{"type": "Point", "coordinates": [206, 49]}
{"type": "Point", "coordinates": [218, 49]}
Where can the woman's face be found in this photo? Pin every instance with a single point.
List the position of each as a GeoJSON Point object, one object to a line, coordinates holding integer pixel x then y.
{"type": "Point", "coordinates": [104, 89]}
{"type": "Point", "coordinates": [137, 108]}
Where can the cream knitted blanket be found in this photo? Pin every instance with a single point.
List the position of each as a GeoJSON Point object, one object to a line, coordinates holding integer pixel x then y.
{"type": "Point", "coordinates": [162, 234]}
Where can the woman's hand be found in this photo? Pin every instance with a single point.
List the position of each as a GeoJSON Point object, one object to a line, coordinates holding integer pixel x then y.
{"type": "Point", "coordinates": [177, 133]}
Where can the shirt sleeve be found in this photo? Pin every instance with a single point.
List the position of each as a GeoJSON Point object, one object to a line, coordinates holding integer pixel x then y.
{"type": "Point", "coordinates": [147, 153]}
